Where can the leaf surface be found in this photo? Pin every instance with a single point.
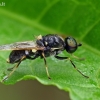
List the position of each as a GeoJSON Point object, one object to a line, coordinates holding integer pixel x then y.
{"type": "Point", "coordinates": [23, 20]}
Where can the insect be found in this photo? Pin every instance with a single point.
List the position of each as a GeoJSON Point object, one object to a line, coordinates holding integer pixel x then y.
{"type": "Point", "coordinates": [44, 46]}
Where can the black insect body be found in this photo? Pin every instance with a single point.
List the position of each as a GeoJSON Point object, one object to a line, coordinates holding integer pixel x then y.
{"type": "Point", "coordinates": [15, 56]}
{"type": "Point", "coordinates": [45, 46]}
{"type": "Point", "coordinates": [53, 44]}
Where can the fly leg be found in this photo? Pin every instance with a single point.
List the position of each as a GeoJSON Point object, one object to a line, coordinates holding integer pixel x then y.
{"type": "Point", "coordinates": [77, 57]}
{"type": "Point", "coordinates": [67, 58]}
{"type": "Point", "coordinates": [32, 58]}
{"type": "Point", "coordinates": [13, 69]}
{"type": "Point", "coordinates": [9, 69]}
{"type": "Point", "coordinates": [46, 65]}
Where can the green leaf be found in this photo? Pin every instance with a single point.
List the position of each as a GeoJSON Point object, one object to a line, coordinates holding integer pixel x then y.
{"type": "Point", "coordinates": [23, 20]}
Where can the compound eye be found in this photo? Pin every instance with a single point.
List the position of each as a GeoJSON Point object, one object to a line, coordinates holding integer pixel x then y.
{"type": "Point", "coordinates": [71, 44]}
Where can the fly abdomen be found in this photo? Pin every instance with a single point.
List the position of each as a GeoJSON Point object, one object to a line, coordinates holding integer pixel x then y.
{"type": "Point", "coordinates": [16, 55]}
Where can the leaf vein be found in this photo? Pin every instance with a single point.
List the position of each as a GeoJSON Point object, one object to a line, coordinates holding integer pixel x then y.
{"type": "Point", "coordinates": [27, 21]}
{"type": "Point", "coordinates": [46, 10]}
{"type": "Point", "coordinates": [89, 29]}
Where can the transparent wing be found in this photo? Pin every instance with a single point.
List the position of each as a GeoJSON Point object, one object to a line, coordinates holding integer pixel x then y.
{"type": "Point", "coordinates": [27, 45]}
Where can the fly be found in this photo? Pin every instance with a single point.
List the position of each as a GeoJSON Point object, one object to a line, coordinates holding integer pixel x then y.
{"type": "Point", "coordinates": [44, 46]}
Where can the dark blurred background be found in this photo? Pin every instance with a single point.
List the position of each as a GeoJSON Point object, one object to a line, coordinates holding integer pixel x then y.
{"type": "Point", "coordinates": [31, 90]}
